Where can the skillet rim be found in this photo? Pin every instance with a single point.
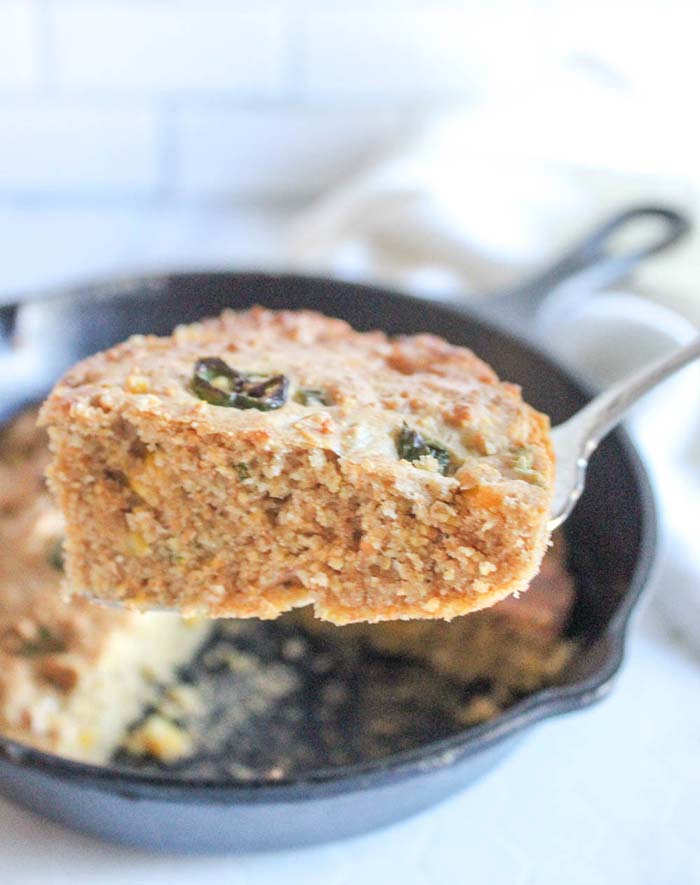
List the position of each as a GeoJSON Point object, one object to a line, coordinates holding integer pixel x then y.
{"type": "Point", "coordinates": [446, 752]}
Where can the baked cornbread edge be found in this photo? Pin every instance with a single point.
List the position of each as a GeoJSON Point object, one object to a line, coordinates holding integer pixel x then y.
{"type": "Point", "coordinates": [86, 420]}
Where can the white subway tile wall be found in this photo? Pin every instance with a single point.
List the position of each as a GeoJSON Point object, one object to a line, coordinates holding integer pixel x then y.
{"type": "Point", "coordinates": [19, 45]}
{"type": "Point", "coordinates": [378, 52]}
{"type": "Point", "coordinates": [407, 50]}
{"type": "Point", "coordinates": [147, 134]}
{"type": "Point", "coordinates": [200, 101]}
{"type": "Point", "coordinates": [204, 101]}
{"type": "Point", "coordinates": [61, 148]}
{"type": "Point", "coordinates": [214, 47]}
{"type": "Point", "coordinates": [270, 153]}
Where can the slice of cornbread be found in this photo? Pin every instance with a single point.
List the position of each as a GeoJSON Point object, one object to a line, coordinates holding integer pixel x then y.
{"type": "Point", "coordinates": [73, 676]}
{"type": "Point", "coordinates": [260, 461]}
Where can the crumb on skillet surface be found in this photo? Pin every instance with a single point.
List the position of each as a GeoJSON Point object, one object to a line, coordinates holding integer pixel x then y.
{"type": "Point", "coordinates": [262, 461]}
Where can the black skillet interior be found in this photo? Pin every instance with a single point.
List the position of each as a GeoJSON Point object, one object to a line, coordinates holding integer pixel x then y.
{"type": "Point", "coordinates": [611, 539]}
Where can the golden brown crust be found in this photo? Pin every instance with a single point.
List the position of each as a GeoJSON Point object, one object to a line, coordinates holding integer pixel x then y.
{"type": "Point", "coordinates": [171, 501]}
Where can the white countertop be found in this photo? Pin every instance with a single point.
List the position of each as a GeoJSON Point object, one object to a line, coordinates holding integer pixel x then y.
{"type": "Point", "coordinates": [608, 795]}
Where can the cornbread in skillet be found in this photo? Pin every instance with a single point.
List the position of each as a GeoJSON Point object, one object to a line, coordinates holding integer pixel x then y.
{"type": "Point", "coordinates": [261, 461]}
{"type": "Point", "coordinates": [511, 649]}
{"type": "Point", "coordinates": [73, 675]}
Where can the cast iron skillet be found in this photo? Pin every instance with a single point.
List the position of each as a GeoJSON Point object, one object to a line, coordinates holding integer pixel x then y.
{"type": "Point", "coordinates": [611, 537]}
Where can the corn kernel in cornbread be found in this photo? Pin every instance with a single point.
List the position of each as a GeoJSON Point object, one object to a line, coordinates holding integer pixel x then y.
{"type": "Point", "coordinates": [261, 461]}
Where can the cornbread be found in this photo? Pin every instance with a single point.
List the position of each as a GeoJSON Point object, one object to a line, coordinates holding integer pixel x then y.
{"type": "Point", "coordinates": [262, 461]}
{"type": "Point", "coordinates": [73, 675]}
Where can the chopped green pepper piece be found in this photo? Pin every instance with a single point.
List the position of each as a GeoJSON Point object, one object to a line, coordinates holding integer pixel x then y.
{"type": "Point", "coordinates": [242, 471]}
{"type": "Point", "coordinates": [411, 446]}
{"type": "Point", "coordinates": [55, 555]}
{"type": "Point", "coordinates": [218, 384]}
{"type": "Point", "coordinates": [308, 396]}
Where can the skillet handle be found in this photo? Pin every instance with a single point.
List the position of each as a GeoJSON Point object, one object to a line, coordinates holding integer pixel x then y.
{"type": "Point", "coordinates": [594, 262]}
{"type": "Point", "coordinates": [596, 251]}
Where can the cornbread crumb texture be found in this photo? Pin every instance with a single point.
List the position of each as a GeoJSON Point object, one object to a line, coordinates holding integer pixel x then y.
{"type": "Point", "coordinates": [261, 461]}
{"type": "Point", "coordinates": [72, 676]}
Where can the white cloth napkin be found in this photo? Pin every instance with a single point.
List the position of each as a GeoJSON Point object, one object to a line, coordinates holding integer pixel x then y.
{"type": "Point", "coordinates": [439, 216]}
